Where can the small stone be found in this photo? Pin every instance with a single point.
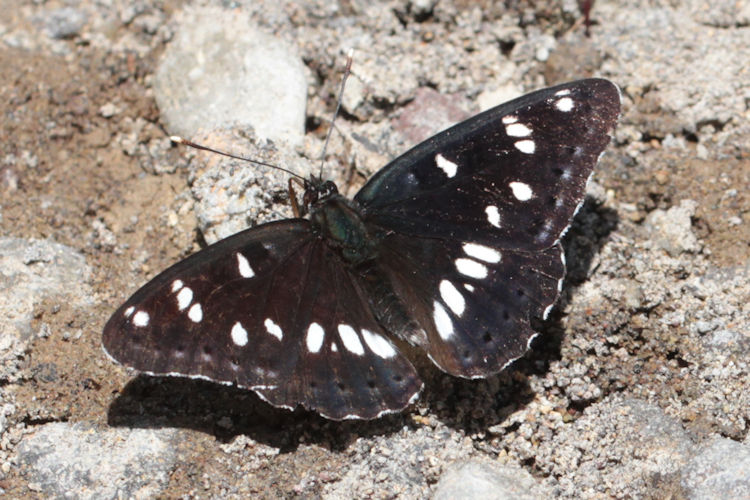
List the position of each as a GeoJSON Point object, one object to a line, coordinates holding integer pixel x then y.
{"type": "Point", "coordinates": [228, 72]}
{"type": "Point", "coordinates": [65, 22]}
{"type": "Point", "coordinates": [108, 110]}
{"type": "Point", "coordinates": [488, 480]}
{"type": "Point", "coordinates": [719, 470]}
{"type": "Point", "coordinates": [672, 229]}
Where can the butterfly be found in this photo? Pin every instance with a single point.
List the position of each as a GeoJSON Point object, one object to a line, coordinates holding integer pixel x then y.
{"type": "Point", "coordinates": [451, 248]}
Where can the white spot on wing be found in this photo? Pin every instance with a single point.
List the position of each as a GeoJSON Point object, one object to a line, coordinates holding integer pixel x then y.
{"type": "Point", "coordinates": [565, 104]}
{"type": "Point", "coordinates": [334, 347]}
{"type": "Point", "coordinates": [184, 298]}
{"type": "Point", "coordinates": [521, 191]}
{"type": "Point", "coordinates": [493, 216]}
{"type": "Point", "coordinates": [443, 322]}
{"type": "Point", "coordinates": [378, 344]}
{"type": "Point", "coordinates": [507, 120]}
{"type": "Point", "coordinates": [351, 340]}
{"type": "Point", "coordinates": [195, 313]}
{"type": "Point", "coordinates": [176, 285]}
{"type": "Point", "coordinates": [314, 339]}
{"type": "Point", "coordinates": [526, 146]}
{"type": "Point", "coordinates": [452, 297]}
{"type": "Point", "coordinates": [446, 165]}
{"type": "Point", "coordinates": [547, 311]}
{"type": "Point", "coordinates": [273, 328]}
{"type": "Point", "coordinates": [239, 334]}
{"type": "Point", "coordinates": [471, 268]}
{"type": "Point", "coordinates": [128, 311]}
{"type": "Point", "coordinates": [141, 318]}
{"type": "Point", "coordinates": [562, 92]}
{"type": "Point", "coordinates": [482, 252]}
{"type": "Point", "coordinates": [517, 130]}
{"type": "Point", "coordinates": [244, 266]}
{"type": "Point", "coordinates": [469, 287]}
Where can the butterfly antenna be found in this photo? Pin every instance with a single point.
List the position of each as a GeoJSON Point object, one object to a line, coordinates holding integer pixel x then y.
{"type": "Point", "coordinates": [347, 71]}
{"type": "Point", "coordinates": [179, 140]}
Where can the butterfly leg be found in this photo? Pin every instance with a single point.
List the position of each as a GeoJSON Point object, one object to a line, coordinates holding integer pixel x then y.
{"type": "Point", "coordinates": [293, 198]}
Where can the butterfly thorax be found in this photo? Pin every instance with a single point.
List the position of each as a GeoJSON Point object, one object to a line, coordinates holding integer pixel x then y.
{"type": "Point", "coordinates": [337, 220]}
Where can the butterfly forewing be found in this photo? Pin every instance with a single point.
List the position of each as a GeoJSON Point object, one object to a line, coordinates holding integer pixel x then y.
{"type": "Point", "coordinates": [510, 177]}
{"type": "Point", "coordinates": [271, 309]}
{"type": "Point", "coordinates": [181, 321]}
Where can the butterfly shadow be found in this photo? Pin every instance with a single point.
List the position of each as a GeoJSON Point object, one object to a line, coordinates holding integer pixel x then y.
{"type": "Point", "coordinates": [474, 406]}
{"type": "Point", "coordinates": [228, 411]}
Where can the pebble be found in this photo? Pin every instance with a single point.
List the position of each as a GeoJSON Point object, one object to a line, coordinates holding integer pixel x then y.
{"type": "Point", "coordinates": [227, 72]}
{"type": "Point", "coordinates": [65, 22]}
{"type": "Point", "coordinates": [672, 229]}
{"type": "Point", "coordinates": [485, 480]}
{"type": "Point", "coordinates": [66, 460]}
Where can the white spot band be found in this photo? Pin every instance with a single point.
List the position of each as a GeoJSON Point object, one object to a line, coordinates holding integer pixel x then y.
{"type": "Point", "coordinates": [244, 266]}
{"type": "Point", "coordinates": [517, 130]}
{"type": "Point", "coordinates": [314, 339]}
{"type": "Point", "coordinates": [565, 104]}
{"type": "Point", "coordinates": [452, 297]}
{"type": "Point", "coordinates": [141, 318]}
{"type": "Point", "coordinates": [443, 322]}
{"type": "Point", "coordinates": [526, 146]}
{"type": "Point", "coordinates": [493, 215]}
{"type": "Point", "coordinates": [273, 328]}
{"type": "Point", "coordinates": [379, 345]}
{"type": "Point", "coordinates": [184, 298]}
{"type": "Point", "coordinates": [471, 268]}
{"type": "Point", "coordinates": [351, 340]}
{"type": "Point", "coordinates": [521, 191]}
{"type": "Point", "coordinates": [195, 313]}
{"type": "Point", "coordinates": [239, 334]}
{"type": "Point", "coordinates": [482, 252]}
{"type": "Point", "coordinates": [447, 166]}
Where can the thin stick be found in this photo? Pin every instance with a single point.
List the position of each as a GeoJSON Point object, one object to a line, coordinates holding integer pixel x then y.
{"type": "Point", "coordinates": [347, 71]}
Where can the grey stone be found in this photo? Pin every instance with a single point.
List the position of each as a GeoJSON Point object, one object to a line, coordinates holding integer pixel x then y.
{"type": "Point", "coordinates": [220, 70]}
{"type": "Point", "coordinates": [65, 22]}
{"type": "Point", "coordinates": [615, 447]}
{"type": "Point", "coordinates": [232, 195]}
{"type": "Point", "coordinates": [399, 465]}
{"type": "Point", "coordinates": [672, 229]}
{"type": "Point", "coordinates": [83, 461]}
{"type": "Point", "coordinates": [720, 470]}
{"type": "Point", "coordinates": [30, 272]}
{"type": "Point", "coordinates": [485, 480]}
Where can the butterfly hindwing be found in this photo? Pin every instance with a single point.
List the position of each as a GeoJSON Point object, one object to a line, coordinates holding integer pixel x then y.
{"type": "Point", "coordinates": [510, 177]}
{"type": "Point", "coordinates": [271, 309]}
{"type": "Point", "coordinates": [473, 302]}
{"type": "Point", "coordinates": [345, 365]}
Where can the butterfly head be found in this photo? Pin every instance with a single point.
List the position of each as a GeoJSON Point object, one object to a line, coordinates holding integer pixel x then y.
{"type": "Point", "coordinates": [317, 192]}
